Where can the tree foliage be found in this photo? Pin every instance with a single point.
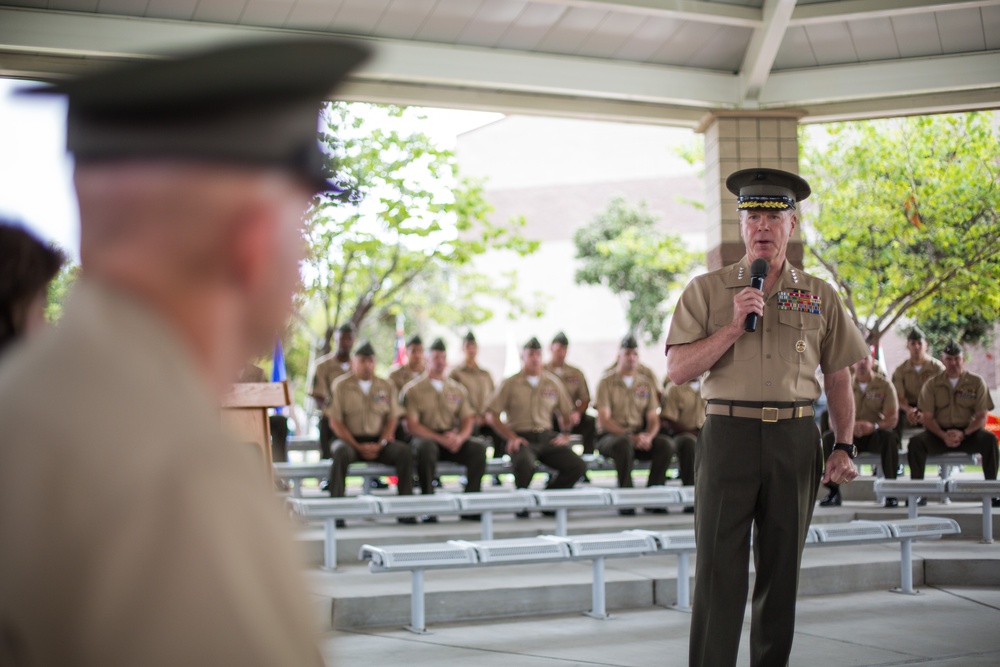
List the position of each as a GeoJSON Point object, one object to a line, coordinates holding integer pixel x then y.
{"type": "Point", "coordinates": [907, 218]}
{"type": "Point", "coordinates": [623, 251]}
{"type": "Point", "coordinates": [404, 234]}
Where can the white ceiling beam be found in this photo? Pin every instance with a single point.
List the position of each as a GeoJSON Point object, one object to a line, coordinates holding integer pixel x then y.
{"type": "Point", "coordinates": [853, 10]}
{"type": "Point", "coordinates": [92, 35]}
{"type": "Point", "coordinates": [685, 10]}
{"type": "Point", "coordinates": [763, 48]}
{"type": "Point", "coordinates": [909, 105]}
{"type": "Point", "coordinates": [913, 76]}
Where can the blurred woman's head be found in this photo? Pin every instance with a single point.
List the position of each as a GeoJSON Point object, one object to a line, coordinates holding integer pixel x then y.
{"type": "Point", "coordinates": [27, 265]}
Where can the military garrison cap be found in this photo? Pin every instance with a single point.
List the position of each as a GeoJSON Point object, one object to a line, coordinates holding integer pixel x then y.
{"type": "Point", "coordinates": [365, 349]}
{"type": "Point", "coordinates": [763, 188]}
{"type": "Point", "coordinates": [629, 343]}
{"type": "Point", "coordinates": [952, 348]}
{"type": "Point", "coordinates": [414, 340]}
{"type": "Point", "coordinates": [560, 338]}
{"type": "Point", "coordinates": [438, 345]}
{"type": "Point", "coordinates": [470, 337]}
{"type": "Point", "coordinates": [346, 327]}
{"type": "Point", "coordinates": [532, 344]}
{"type": "Point", "coordinates": [916, 333]}
{"type": "Point", "coordinates": [253, 104]}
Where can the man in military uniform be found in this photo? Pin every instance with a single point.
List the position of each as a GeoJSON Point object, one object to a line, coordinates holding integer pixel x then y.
{"type": "Point", "coordinates": [954, 405]}
{"type": "Point", "coordinates": [363, 414]}
{"type": "Point", "coordinates": [682, 414]}
{"type": "Point", "coordinates": [909, 378]}
{"type": "Point", "coordinates": [528, 399]}
{"type": "Point", "coordinates": [875, 413]}
{"type": "Point", "coordinates": [328, 368]}
{"type": "Point", "coordinates": [626, 419]}
{"type": "Point", "coordinates": [576, 386]}
{"type": "Point", "coordinates": [153, 538]}
{"type": "Point", "coordinates": [439, 417]}
{"type": "Point", "coordinates": [414, 366]}
{"type": "Point", "coordinates": [758, 458]}
{"type": "Point", "coordinates": [479, 385]}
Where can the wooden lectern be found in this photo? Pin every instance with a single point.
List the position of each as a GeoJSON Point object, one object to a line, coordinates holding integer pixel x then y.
{"type": "Point", "coordinates": [244, 414]}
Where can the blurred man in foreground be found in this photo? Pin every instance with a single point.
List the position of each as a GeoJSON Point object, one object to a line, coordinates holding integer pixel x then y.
{"type": "Point", "coordinates": [144, 535]}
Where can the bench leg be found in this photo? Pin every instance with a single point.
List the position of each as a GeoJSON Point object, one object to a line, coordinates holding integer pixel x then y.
{"type": "Point", "coordinates": [561, 522]}
{"type": "Point", "coordinates": [911, 507]}
{"type": "Point", "coordinates": [598, 602]}
{"type": "Point", "coordinates": [296, 487]}
{"type": "Point", "coordinates": [987, 520]}
{"type": "Point", "coordinates": [906, 568]}
{"type": "Point", "coordinates": [330, 545]}
{"type": "Point", "coordinates": [417, 623]}
{"type": "Point", "coordinates": [683, 582]}
{"type": "Point", "coordinates": [487, 525]}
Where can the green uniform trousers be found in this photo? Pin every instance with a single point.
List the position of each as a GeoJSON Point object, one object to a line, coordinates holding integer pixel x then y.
{"type": "Point", "coordinates": [751, 474]}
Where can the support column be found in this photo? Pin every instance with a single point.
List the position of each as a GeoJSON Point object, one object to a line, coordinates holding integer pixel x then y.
{"type": "Point", "coordinates": [737, 140]}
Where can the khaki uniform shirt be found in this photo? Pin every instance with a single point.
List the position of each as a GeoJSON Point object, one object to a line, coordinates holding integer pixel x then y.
{"type": "Point", "coordinates": [364, 415]}
{"type": "Point", "coordinates": [328, 369]}
{"type": "Point", "coordinates": [875, 401]}
{"type": "Point", "coordinates": [402, 376]}
{"type": "Point", "coordinates": [437, 410]}
{"type": "Point", "coordinates": [955, 407]}
{"type": "Point", "coordinates": [574, 381]}
{"type": "Point", "coordinates": [628, 405]}
{"type": "Point", "coordinates": [530, 408]}
{"type": "Point", "coordinates": [684, 406]}
{"type": "Point", "coordinates": [908, 382]}
{"type": "Point", "coordinates": [477, 382]}
{"type": "Point", "coordinates": [134, 531]}
{"type": "Point", "coordinates": [804, 326]}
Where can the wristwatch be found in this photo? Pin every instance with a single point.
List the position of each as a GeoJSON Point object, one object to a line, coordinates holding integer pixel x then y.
{"type": "Point", "coordinates": [383, 443]}
{"type": "Point", "coordinates": [851, 450]}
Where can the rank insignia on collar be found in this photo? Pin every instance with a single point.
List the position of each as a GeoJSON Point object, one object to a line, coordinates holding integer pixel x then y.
{"type": "Point", "coordinates": [800, 301]}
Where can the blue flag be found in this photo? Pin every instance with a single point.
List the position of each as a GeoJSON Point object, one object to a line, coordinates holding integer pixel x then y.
{"type": "Point", "coordinates": [278, 372]}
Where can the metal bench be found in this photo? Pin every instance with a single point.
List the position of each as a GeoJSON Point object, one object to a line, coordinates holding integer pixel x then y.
{"type": "Point", "coordinates": [946, 463]}
{"type": "Point", "coordinates": [951, 489]}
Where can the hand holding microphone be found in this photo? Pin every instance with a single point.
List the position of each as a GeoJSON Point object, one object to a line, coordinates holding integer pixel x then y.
{"type": "Point", "coordinates": [758, 272]}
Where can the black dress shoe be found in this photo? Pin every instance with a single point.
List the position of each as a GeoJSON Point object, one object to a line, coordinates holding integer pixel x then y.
{"type": "Point", "coordinates": [657, 510]}
{"type": "Point", "coordinates": [496, 480]}
{"type": "Point", "coordinates": [689, 510]}
{"type": "Point", "coordinates": [548, 512]}
{"type": "Point", "coordinates": [471, 517]}
{"type": "Point", "coordinates": [921, 501]}
{"type": "Point", "coordinates": [324, 485]}
{"type": "Point", "coordinates": [891, 502]}
{"type": "Point", "coordinates": [428, 518]}
{"type": "Point", "coordinates": [627, 511]}
{"type": "Point", "coordinates": [341, 523]}
{"type": "Point", "coordinates": [523, 514]}
{"type": "Point", "coordinates": [832, 500]}
{"type": "Point", "coordinates": [585, 479]}
{"type": "Point", "coordinates": [409, 520]}
{"type": "Point", "coordinates": [377, 483]}
{"type": "Point", "coordinates": [995, 502]}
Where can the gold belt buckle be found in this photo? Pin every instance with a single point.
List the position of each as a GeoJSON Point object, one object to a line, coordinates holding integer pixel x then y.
{"type": "Point", "coordinates": [769, 414]}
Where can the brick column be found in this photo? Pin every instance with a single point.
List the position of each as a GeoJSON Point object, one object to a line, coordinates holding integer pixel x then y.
{"type": "Point", "coordinates": [740, 140]}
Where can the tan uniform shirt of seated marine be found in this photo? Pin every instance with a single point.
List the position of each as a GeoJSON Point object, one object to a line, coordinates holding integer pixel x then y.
{"type": "Point", "coordinates": [364, 415]}
{"type": "Point", "coordinates": [804, 326]}
{"type": "Point", "coordinates": [400, 376]}
{"type": "Point", "coordinates": [477, 382]}
{"type": "Point", "coordinates": [574, 381]}
{"type": "Point", "coordinates": [684, 406]}
{"type": "Point", "coordinates": [530, 408]}
{"type": "Point", "coordinates": [439, 411]}
{"type": "Point", "coordinates": [628, 405]}
{"type": "Point", "coordinates": [875, 401]}
{"type": "Point", "coordinates": [328, 370]}
{"type": "Point", "coordinates": [955, 407]}
{"type": "Point", "coordinates": [908, 381]}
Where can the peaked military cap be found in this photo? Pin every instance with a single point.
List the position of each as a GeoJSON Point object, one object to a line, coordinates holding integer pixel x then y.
{"type": "Point", "coordinates": [916, 333]}
{"type": "Point", "coordinates": [470, 337]}
{"type": "Point", "coordinates": [629, 342]}
{"type": "Point", "coordinates": [438, 345]}
{"type": "Point", "coordinates": [560, 338]}
{"type": "Point", "coordinates": [532, 344]}
{"type": "Point", "coordinates": [253, 104]}
{"type": "Point", "coordinates": [414, 340]}
{"type": "Point", "coordinates": [763, 188]}
{"type": "Point", "coordinates": [365, 349]}
{"type": "Point", "coordinates": [952, 348]}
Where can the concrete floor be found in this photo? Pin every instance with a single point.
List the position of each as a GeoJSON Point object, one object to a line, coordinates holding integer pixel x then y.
{"type": "Point", "coordinates": [941, 627]}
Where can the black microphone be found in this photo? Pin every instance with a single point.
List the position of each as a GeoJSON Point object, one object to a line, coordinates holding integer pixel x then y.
{"type": "Point", "coordinates": [758, 271]}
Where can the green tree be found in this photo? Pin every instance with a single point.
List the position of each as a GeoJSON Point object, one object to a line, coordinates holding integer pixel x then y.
{"type": "Point", "coordinates": [403, 235]}
{"type": "Point", "coordinates": [623, 251]}
{"type": "Point", "coordinates": [907, 217]}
